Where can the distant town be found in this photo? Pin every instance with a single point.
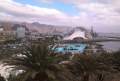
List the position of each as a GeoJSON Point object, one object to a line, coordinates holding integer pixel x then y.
{"type": "Point", "coordinates": [64, 43]}
{"type": "Point", "coordinates": [74, 40]}
{"type": "Point", "coordinates": [59, 40]}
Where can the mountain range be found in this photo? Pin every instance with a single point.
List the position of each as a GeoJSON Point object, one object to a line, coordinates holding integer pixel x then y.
{"type": "Point", "coordinates": [36, 27]}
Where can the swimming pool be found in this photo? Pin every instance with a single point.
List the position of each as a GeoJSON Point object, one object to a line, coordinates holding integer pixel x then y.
{"type": "Point", "coordinates": [70, 48]}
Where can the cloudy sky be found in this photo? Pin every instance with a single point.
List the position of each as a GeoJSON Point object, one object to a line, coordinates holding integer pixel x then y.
{"type": "Point", "coordinates": [103, 15]}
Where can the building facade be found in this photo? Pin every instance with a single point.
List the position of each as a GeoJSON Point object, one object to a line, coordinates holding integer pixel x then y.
{"type": "Point", "coordinates": [20, 32]}
{"type": "Point", "coordinates": [6, 35]}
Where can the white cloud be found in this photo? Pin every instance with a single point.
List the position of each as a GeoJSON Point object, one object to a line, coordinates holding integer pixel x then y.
{"type": "Point", "coordinates": [46, 1]}
{"type": "Point", "coordinates": [65, 1]}
{"type": "Point", "coordinates": [18, 12]}
{"type": "Point", "coordinates": [20, 9]}
{"type": "Point", "coordinates": [98, 13]}
{"type": "Point", "coordinates": [75, 1]}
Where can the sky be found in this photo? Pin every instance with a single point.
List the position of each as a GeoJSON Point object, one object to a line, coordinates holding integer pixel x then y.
{"type": "Point", "coordinates": [102, 15]}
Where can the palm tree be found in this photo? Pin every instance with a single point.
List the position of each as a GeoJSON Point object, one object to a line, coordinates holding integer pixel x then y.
{"type": "Point", "coordinates": [2, 78]}
{"type": "Point", "coordinates": [106, 59]}
{"type": "Point", "coordinates": [36, 63]}
{"type": "Point", "coordinates": [116, 60]}
{"type": "Point", "coordinates": [88, 67]}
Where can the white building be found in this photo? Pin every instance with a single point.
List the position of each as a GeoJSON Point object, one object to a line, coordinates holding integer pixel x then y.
{"type": "Point", "coordinates": [20, 32]}
{"type": "Point", "coordinates": [1, 28]}
{"type": "Point", "coordinates": [35, 36]}
{"type": "Point", "coordinates": [78, 33]}
{"type": "Point", "coordinates": [75, 35]}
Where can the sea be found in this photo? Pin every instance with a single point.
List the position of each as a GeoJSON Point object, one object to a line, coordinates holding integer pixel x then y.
{"type": "Point", "coordinates": [111, 46]}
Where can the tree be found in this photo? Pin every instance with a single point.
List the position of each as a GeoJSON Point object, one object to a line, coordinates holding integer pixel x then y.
{"type": "Point", "coordinates": [2, 78]}
{"type": "Point", "coordinates": [116, 60]}
{"type": "Point", "coordinates": [38, 64]}
{"type": "Point", "coordinates": [89, 67]}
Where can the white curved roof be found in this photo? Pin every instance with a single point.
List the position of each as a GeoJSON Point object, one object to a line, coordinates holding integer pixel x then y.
{"type": "Point", "coordinates": [76, 34]}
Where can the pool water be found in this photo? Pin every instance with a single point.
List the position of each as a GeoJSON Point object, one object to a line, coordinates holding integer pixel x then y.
{"type": "Point", "coordinates": [71, 48]}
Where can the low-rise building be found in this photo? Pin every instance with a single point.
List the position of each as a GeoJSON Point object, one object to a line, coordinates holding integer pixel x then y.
{"type": "Point", "coordinates": [6, 35]}
{"type": "Point", "coordinates": [35, 36]}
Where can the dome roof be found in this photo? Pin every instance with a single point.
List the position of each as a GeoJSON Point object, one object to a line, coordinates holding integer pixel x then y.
{"type": "Point", "coordinates": [76, 32]}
